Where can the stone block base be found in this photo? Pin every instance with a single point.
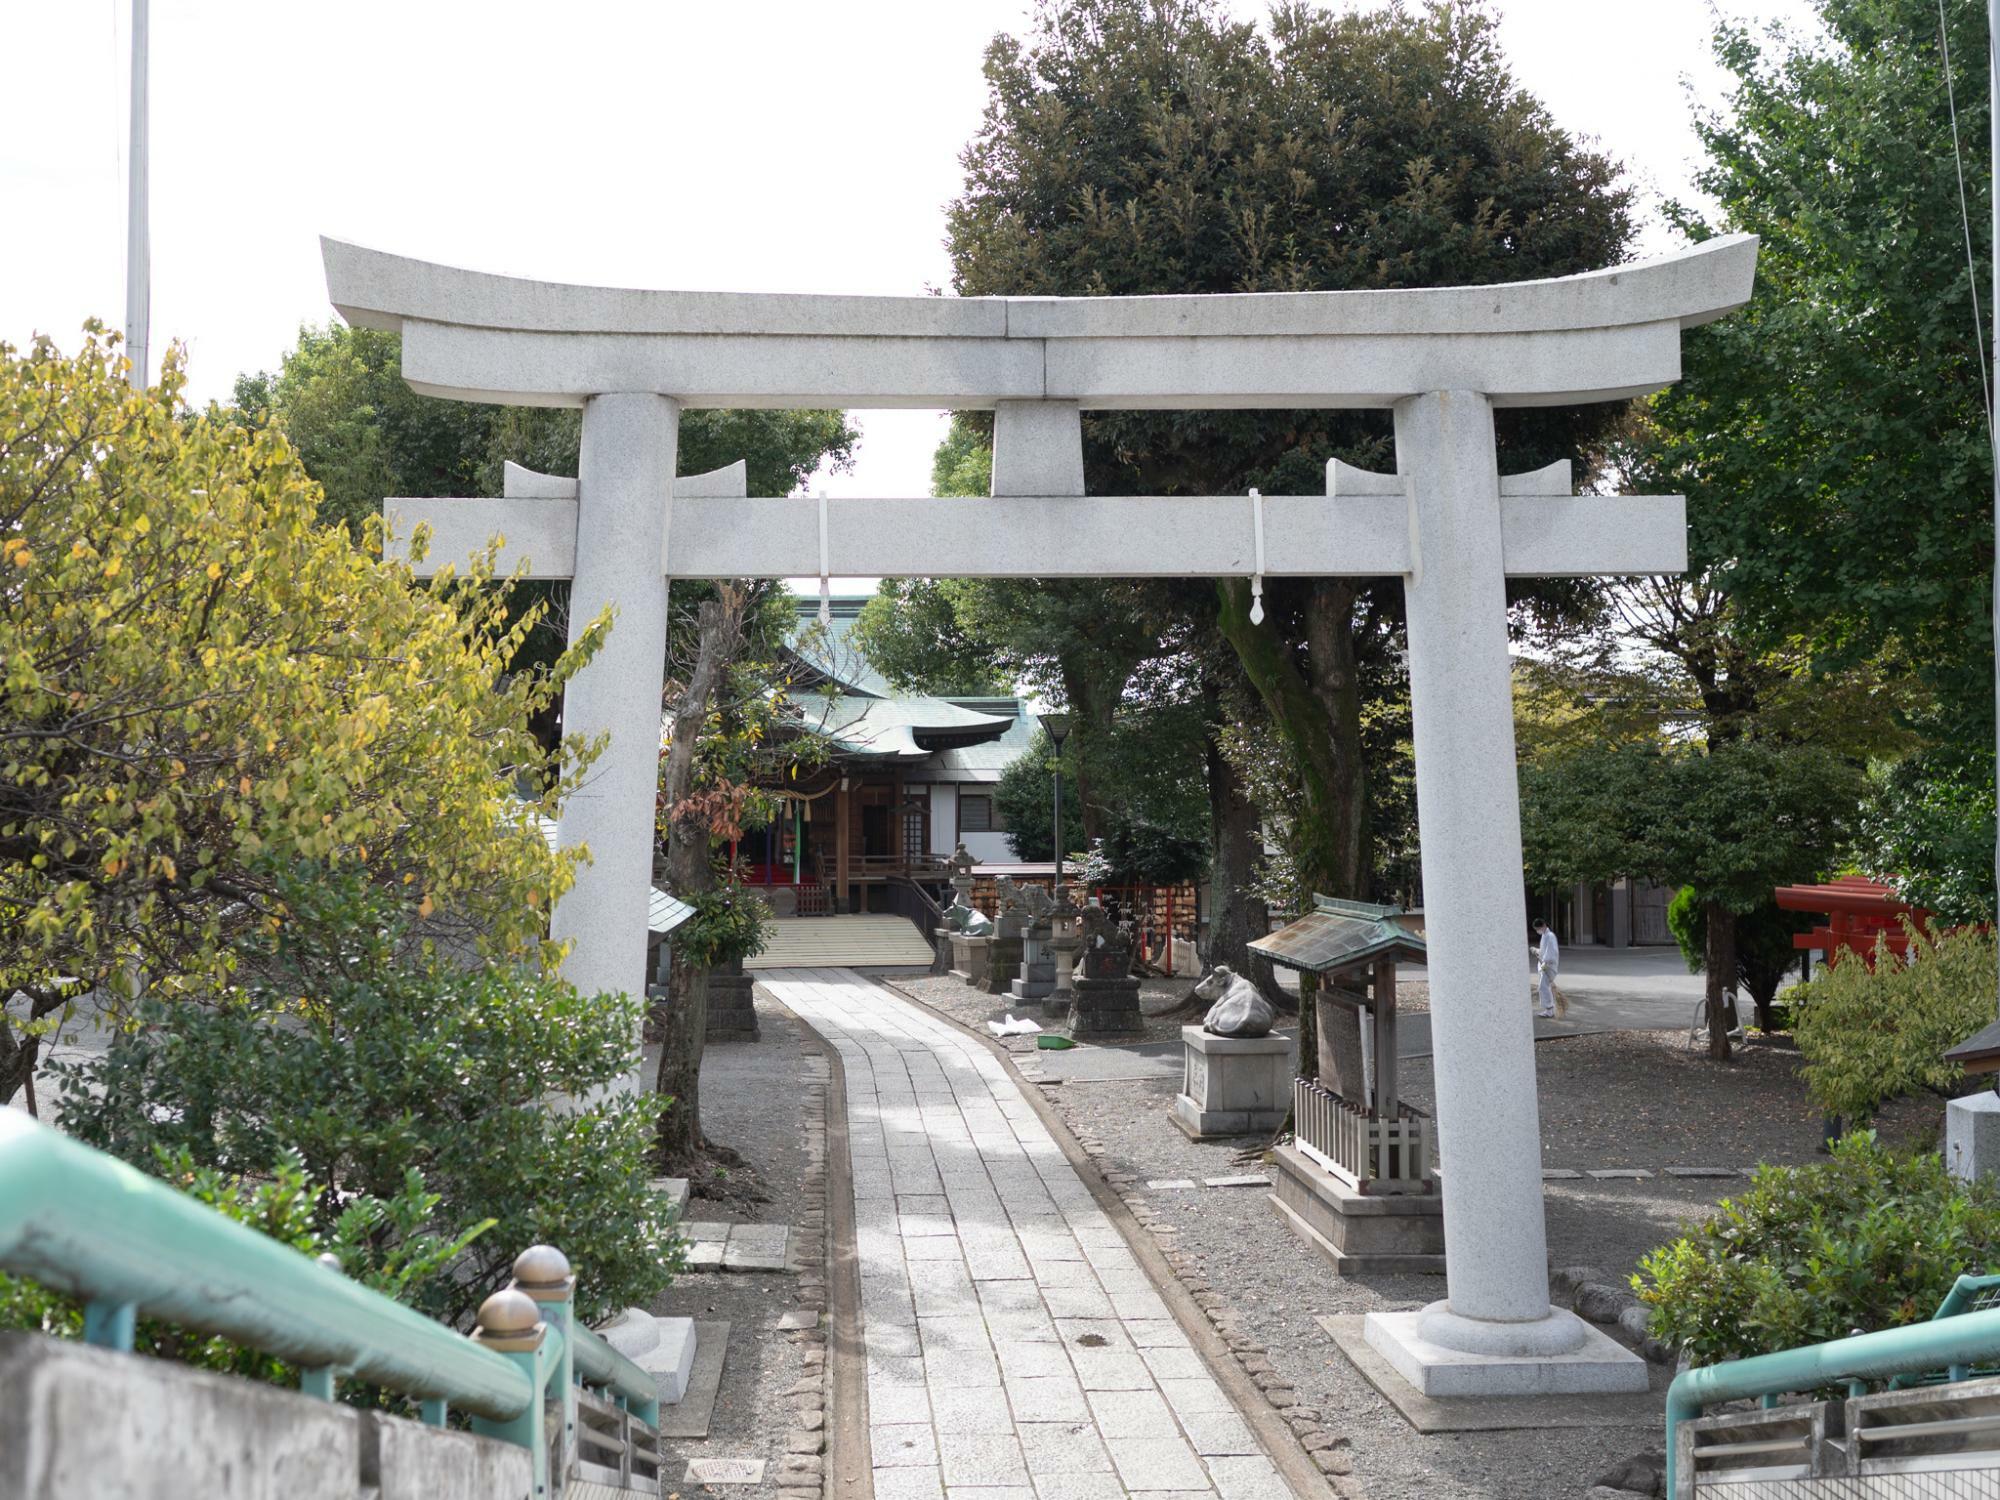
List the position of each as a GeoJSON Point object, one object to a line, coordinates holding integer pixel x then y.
{"type": "Point", "coordinates": [1398, 1233]}
{"type": "Point", "coordinates": [1003, 962]}
{"type": "Point", "coordinates": [1972, 1136]}
{"type": "Point", "coordinates": [1106, 1007]}
{"type": "Point", "coordinates": [1232, 1085]}
{"type": "Point", "coordinates": [732, 1012]}
{"type": "Point", "coordinates": [1593, 1364]}
{"type": "Point", "coordinates": [1033, 989]}
{"type": "Point", "coordinates": [968, 958]}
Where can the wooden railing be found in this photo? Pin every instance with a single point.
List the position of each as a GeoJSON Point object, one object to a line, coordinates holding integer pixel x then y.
{"type": "Point", "coordinates": [1370, 1154]}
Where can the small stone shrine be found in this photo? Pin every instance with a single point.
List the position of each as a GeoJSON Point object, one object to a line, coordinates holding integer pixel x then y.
{"type": "Point", "coordinates": [1234, 1070]}
{"type": "Point", "coordinates": [1107, 994]}
{"type": "Point", "coordinates": [1356, 1181]}
{"type": "Point", "coordinates": [1038, 959]}
{"type": "Point", "coordinates": [1003, 953]}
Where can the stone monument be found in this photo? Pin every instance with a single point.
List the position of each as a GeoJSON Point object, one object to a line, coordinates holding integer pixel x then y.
{"type": "Point", "coordinates": [1235, 1075]}
{"type": "Point", "coordinates": [1107, 994]}
{"type": "Point", "coordinates": [1038, 960]}
{"type": "Point", "coordinates": [1004, 948]}
{"type": "Point", "coordinates": [1447, 522]}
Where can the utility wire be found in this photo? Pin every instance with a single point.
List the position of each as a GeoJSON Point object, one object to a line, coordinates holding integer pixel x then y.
{"type": "Point", "coordinates": [1965, 222]}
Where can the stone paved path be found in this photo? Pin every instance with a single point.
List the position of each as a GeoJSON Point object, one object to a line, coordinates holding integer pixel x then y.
{"type": "Point", "coordinates": [1016, 1348]}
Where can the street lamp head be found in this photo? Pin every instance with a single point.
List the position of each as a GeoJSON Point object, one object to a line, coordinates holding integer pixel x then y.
{"type": "Point", "coordinates": [1056, 725]}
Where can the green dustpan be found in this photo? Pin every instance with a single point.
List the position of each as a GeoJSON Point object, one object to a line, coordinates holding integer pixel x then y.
{"type": "Point", "coordinates": [1050, 1041]}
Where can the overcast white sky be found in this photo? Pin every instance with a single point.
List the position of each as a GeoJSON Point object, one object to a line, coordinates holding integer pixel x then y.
{"type": "Point", "coordinates": [759, 145]}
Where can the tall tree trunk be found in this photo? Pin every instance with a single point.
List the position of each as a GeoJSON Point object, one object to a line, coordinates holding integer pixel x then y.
{"type": "Point", "coordinates": [1319, 723]}
{"type": "Point", "coordinates": [1093, 707]}
{"type": "Point", "coordinates": [1719, 959]}
{"type": "Point", "coordinates": [18, 1057]}
{"type": "Point", "coordinates": [1236, 913]}
{"type": "Point", "coordinates": [689, 872]}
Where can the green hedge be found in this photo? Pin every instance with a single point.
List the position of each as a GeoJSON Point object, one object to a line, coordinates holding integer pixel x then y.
{"type": "Point", "coordinates": [1867, 1240]}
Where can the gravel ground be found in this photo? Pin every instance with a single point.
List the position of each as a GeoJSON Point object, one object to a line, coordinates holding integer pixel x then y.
{"type": "Point", "coordinates": [1624, 1099]}
{"type": "Point", "coordinates": [755, 1096]}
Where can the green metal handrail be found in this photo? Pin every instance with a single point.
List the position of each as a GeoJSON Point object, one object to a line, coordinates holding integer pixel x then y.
{"type": "Point", "coordinates": [598, 1364]}
{"type": "Point", "coordinates": [85, 1223]}
{"type": "Point", "coordinates": [1941, 1344]}
{"type": "Point", "coordinates": [82, 1222]}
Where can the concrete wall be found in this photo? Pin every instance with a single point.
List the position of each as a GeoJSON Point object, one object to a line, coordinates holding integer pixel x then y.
{"type": "Point", "coordinates": [990, 848]}
{"type": "Point", "coordinates": [89, 1424]}
{"type": "Point", "coordinates": [944, 818]}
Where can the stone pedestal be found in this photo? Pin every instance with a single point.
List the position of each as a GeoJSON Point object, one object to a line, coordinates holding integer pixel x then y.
{"type": "Point", "coordinates": [732, 1012]}
{"type": "Point", "coordinates": [1003, 962]}
{"type": "Point", "coordinates": [1105, 1007]}
{"type": "Point", "coordinates": [1038, 967]}
{"type": "Point", "coordinates": [1232, 1085]}
{"type": "Point", "coordinates": [969, 958]}
{"type": "Point", "coordinates": [1972, 1136]}
{"type": "Point", "coordinates": [1395, 1233]}
{"type": "Point", "coordinates": [663, 1347]}
{"type": "Point", "coordinates": [1556, 1355]}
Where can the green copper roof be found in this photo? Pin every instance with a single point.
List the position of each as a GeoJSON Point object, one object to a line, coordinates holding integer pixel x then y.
{"type": "Point", "coordinates": [1338, 935]}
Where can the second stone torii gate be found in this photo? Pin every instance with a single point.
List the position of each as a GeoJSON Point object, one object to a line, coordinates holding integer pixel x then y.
{"type": "Point", "coordinates": [1447, 522]}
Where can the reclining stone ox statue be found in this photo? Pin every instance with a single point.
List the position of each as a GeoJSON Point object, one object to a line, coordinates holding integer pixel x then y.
{"type": "Point", "coordinates": [1239, 1008]}
{"type": "Point", "coordinates": [970, 920]}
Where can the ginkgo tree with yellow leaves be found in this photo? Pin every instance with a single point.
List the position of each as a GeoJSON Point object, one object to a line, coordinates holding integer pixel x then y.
{"type": "Point", "coordinates": [200, 687]}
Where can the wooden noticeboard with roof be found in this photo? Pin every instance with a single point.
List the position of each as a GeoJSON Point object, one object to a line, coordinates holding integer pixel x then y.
{"type": "Point", "coordinates": [1360, 1131]}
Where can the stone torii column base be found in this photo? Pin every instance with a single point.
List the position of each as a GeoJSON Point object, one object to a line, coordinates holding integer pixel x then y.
{"type": "Point", "coordinates": [1559, 1355]}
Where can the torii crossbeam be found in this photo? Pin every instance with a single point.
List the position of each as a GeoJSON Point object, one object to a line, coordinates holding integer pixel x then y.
{"type": "Point", "coordinates": [1446, 522]}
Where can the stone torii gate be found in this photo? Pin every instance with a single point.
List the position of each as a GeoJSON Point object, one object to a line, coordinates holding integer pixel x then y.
{"type": "Point", "coordinates": [1447, 522]}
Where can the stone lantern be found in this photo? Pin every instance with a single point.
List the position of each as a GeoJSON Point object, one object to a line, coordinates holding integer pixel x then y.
{"type": "Point", "coordinates": [1065, 940]}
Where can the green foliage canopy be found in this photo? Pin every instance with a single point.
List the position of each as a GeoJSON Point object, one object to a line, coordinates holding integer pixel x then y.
{"type": "Point", "coordinates": [199, 686]}
{"type": "Point", "coordinates": [1734, 821]}
{"type": "Point", "coordinates": [1831, 438]}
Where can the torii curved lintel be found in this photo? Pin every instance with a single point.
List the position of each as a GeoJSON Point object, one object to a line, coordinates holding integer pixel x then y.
{"type": "Point", "coordinates": [1602, 335]}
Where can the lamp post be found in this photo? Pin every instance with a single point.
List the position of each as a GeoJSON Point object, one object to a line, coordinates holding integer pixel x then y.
{"type": "Point", "coordinates": [1056, 726]}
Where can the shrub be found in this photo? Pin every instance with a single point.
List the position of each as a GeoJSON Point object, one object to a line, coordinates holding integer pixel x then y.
{"type": "Point", "coordinates": [391, 1245]}
{"type": "Point", "coordinates": [1872, 1034]}
{"type": "Point", "coordinates": [351, 1047]}
{"type": "Point", "coordinates": [730, 923]}
{"type": "Point", "coordinates": [1868, 1240]}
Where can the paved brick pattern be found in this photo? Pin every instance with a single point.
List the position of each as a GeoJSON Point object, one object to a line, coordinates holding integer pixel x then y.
{"type": "Point", "coordinates": [1016, 1348]}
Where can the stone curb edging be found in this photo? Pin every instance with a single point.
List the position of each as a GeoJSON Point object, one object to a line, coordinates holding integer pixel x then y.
{"type": "Point", "coordinates": [1315, 1463]}
{"type": "Point", "coordinates": [1596, 1298]}
{"type": "Point", "coordinates": [829, 1432]}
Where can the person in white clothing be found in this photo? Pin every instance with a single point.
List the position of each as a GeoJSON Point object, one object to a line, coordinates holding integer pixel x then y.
{"type": "Point", "coordinates": [1547, 959]}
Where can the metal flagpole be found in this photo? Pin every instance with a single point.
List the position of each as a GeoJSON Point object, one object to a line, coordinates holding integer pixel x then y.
{"type": "Point", "coordinates": [138, 238]}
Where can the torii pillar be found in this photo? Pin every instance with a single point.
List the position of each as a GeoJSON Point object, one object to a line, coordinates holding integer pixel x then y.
{"type": "Point", "coordinates": [1446, 522]}
{"type": "Point", "coordinates": [606, 533]}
